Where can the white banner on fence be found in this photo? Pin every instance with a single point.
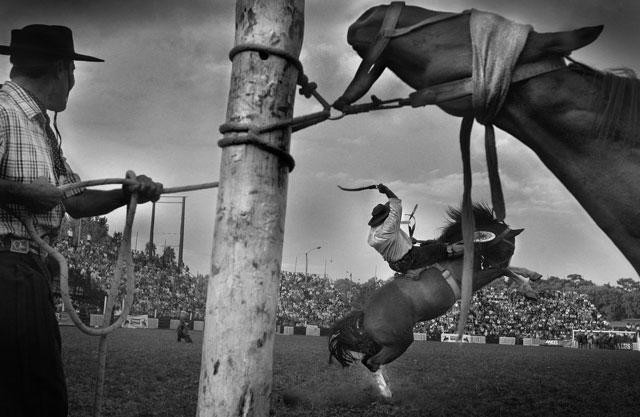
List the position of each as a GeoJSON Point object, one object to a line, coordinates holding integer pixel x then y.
{"type": "Point", "coordinates": [466, 338]}
{"type": "Point", "coordinates": [507, 340]}
{"type": "Point", "coordinates": [312, 330]}
{"type": "Point", "coordinates": [137, 322]}
{"type": "Point", "coordinates": [530, 341]}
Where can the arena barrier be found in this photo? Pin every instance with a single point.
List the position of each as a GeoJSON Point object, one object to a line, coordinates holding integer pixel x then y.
{"type": "Point", "coordinates": [453, 337]}
{"type": "Point", "coordinates": [531, 341]}
{"type": "Point", "coordinates": [133, 321]}
{"type": "Point", "coordinates": [136, 322]}
{"type": "Point", "coordinates": [64, 319]}
{"type": "Point", "coordinates": [590, 338]}
{"type": "Point", "coordinates": [286, 330]}
{"type": "Point", "coordinates": [507, 340]}
{"type": "Point", "coordinates": [312, 331]}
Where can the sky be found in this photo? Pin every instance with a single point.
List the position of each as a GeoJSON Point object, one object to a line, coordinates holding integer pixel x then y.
{"type": "Point", "coordinates": [155, 104]}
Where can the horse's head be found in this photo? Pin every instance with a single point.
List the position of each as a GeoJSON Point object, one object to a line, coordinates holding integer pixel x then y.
{"type": "Point", "coordinates": [425, 47]}
{"type": "Point", "coordinates": [494, 239]}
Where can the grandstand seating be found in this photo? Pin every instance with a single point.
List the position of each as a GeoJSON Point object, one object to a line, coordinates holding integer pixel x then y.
{"type": "Point", "coordinates": [306, 301]}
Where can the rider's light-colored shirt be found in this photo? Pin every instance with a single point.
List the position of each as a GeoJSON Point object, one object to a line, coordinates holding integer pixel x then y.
{"type": "Point", "coordinates": [387, 238]}
{"type": "Point", "coordinates": [25, 155]}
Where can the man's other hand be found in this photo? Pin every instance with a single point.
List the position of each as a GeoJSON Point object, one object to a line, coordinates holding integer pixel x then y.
{"type": "Point", "coordinates": [147, 189]}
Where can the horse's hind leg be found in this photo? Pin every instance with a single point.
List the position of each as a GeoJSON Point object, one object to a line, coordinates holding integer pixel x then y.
{"type": "Point", "coordinates": [385, 355]}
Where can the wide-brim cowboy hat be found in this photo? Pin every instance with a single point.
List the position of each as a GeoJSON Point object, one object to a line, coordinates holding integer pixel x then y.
{"type": "Point", "coordinates": [46, 41]}
{"type": "Point", "coordinates": [378, 214]}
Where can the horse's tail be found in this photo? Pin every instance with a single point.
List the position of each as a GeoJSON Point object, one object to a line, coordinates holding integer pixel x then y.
{"type": "Point", "coordinates": [348, 336]}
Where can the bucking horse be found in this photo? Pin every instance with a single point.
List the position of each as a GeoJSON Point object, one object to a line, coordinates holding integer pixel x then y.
{"type": "Point", "coordinates": [383, 330]}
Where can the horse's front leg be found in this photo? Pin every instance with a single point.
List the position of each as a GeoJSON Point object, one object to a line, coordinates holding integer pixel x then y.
{"type": "Point", "coordinates": [532, 275]}
{"type": "Point", "coordinates": [523, 281]}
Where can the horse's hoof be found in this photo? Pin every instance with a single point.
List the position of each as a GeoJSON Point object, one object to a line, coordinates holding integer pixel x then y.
{"type": "Point", "coordinates": [535, 277]}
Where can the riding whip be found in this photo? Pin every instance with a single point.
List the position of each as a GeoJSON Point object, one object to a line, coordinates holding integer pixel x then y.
{"type": "Point", "coordinates": [368, 187]}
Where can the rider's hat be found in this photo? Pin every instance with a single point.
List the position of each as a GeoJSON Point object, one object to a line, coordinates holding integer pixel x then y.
{"type": "Point", "coordinates": [43, 41]}
{"type": "Point", "coordinates": [378, 214]}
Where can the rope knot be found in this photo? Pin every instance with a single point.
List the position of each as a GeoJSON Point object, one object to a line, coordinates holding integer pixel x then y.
{"type": "Point", "coordinates": [308, 88]}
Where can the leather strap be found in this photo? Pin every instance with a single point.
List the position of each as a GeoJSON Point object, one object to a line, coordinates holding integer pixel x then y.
{"type": "Point", "coordinates": [382, 38]}
{"type": "Point", "coordinates": [463, 87]}
{"type": "Point", "coordinates": [448, 277]}
{"type": "Point", "coordinates": [425, 22]}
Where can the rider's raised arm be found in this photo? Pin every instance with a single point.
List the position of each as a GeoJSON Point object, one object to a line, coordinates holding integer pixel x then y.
{"type": "Point", "coordinates": [391, 224]}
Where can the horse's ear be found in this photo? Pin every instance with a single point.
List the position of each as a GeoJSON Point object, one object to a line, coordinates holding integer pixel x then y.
{"type": "Point", "coordinates": [515, 232]}
{"type": "Point", "coordinates": [562, 43]}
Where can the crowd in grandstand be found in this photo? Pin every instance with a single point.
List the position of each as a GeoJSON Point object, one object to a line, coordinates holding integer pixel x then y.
{"type": "Point", "coordinates": [498, 311]}
{"type": "Point", "coordinates": [495, 310]}
{"type": "Point", "coordinates": [163, 289]}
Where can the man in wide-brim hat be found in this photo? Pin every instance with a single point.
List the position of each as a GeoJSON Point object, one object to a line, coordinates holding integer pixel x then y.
{"type": "Point", "coordinates": [32, 166]}
{"type": "Point", "coordinates": [395, 246]}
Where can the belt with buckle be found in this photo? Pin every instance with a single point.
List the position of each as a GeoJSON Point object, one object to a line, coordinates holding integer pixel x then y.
{"type": "Point", "coordinates": [24, 246]}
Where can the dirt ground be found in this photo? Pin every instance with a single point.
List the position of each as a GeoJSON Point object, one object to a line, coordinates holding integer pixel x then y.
{"type": "Point", "coordinates": [150, 374]}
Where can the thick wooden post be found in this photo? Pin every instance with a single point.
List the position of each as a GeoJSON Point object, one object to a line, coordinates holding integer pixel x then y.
{"type": "Point", "coordinates": [237, 353]}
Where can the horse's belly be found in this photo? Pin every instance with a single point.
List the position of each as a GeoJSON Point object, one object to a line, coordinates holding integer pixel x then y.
{"type": "Point", "coordinates": [431, 296]}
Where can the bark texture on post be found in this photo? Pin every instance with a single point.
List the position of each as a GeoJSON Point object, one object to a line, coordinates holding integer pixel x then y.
{"type": "Point", "coordinates": [237, 353]}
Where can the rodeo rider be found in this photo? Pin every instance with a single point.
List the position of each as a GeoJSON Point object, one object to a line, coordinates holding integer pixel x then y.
{"type": "Point", "coordinates": [396, 247]}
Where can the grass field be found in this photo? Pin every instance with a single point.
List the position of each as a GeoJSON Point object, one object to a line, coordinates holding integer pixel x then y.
{"type": "Point", "coordinates": [150, 374]}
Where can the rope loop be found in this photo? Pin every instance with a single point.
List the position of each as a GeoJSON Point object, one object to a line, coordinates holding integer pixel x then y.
{"type": "Point", "coordinates": [264, 51]}
{"type": "Point", "coordinates": [249, 134]}
{"type": "Point", "coordinates": [251, 137]}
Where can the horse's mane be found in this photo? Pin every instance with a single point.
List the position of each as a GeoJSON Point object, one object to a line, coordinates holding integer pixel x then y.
{"type": "Point", "coordinates": [617, 102]}
{"type": "Point", "coordinates": [452, 231]}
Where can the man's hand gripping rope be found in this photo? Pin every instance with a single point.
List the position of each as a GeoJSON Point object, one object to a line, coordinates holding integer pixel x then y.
{"type": "Point", "coordinates": [133, 187]}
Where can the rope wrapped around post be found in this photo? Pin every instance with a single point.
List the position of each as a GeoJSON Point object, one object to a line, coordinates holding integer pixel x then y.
{"type": "Point", "coordinates": [249, 134]}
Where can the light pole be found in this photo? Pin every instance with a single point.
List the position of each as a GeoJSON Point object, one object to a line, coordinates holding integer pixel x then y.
{"type": "Point", "coordinates": [325, 265]}
{"type": "Point", "coordinates": [306, 260]}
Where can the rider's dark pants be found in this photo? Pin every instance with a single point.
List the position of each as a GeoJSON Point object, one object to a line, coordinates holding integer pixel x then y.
{"type": "Point", "coordinates": [32, 382]}
{"type": "Point", "coordinates": [420, 257]}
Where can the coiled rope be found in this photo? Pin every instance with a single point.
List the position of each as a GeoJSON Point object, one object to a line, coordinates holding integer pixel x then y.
{"type": "Point", "coordinates": [124, 261]}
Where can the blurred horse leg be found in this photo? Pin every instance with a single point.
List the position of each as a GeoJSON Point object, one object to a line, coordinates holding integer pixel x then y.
{"type": "Point", "coordinates": [381, 383]}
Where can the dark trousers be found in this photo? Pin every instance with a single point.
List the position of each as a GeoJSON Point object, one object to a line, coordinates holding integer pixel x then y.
{"type": "Point", "coordinates": [32, 382]}
{"type": "Point", "coordinates": [420, 256]}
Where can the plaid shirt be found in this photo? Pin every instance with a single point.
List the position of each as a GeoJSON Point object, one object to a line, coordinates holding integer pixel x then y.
{"type": "Point", "coordinates": [26, 154]}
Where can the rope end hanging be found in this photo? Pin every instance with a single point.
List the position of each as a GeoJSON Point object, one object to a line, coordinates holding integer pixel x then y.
{"type": "Point", "coordinates": [468, 226]}
{"type": "Point", "coordinates": [497, 197]}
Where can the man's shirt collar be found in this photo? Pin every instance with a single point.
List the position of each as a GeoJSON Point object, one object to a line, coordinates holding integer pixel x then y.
{"type": "Point", "coordinates": [24, 99]}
